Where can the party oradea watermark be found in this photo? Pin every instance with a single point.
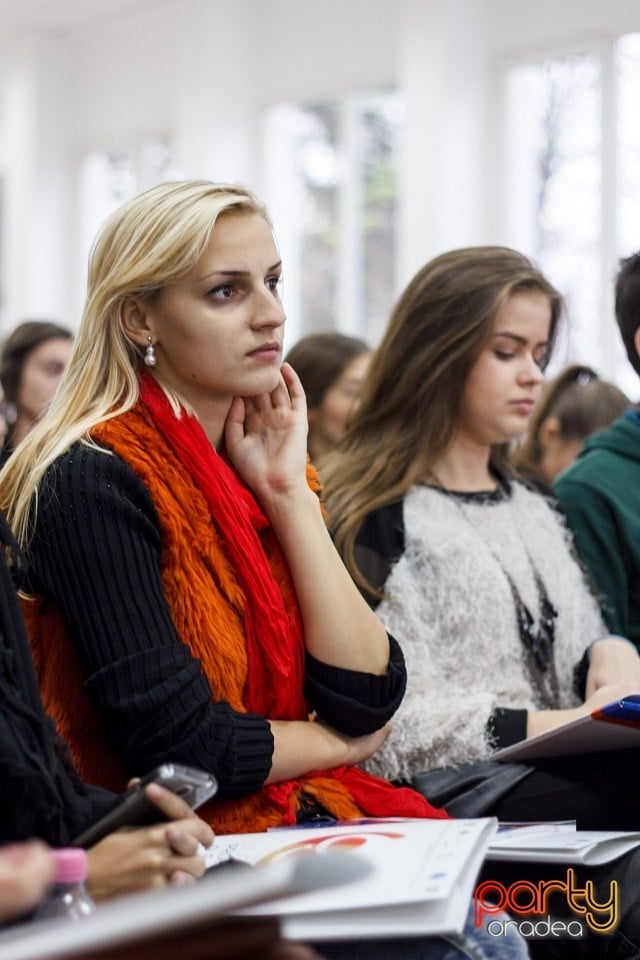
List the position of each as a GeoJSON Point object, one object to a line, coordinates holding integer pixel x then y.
{"type": "Point", "coordinates": [533, 908]}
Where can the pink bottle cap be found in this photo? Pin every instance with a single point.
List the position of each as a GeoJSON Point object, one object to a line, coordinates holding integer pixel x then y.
{"type": "Point", "coordinates": [72, 864]}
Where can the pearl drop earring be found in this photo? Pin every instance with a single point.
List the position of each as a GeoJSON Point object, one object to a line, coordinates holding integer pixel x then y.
{"type": "Point", "coordinates": [150, 354]}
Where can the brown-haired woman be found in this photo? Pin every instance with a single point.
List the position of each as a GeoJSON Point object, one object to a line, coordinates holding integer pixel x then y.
{"type": "Point", "coordinates": [472, 571]}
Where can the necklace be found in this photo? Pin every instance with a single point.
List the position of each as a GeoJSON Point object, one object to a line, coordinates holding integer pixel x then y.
{"type": "Point", "coordinates": [537, 641]}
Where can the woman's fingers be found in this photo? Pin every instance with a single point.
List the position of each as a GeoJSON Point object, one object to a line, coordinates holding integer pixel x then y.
{"type": "Point", "coordinates": [191, 831]}
{"type": "Point", "coordinates": [175, 808]}
{"type": "Point", "coordinates": [180, 878]}
{"type": "Point", "coordinates": [279, 397]}
{"type": "Point", "coordinates": [287, 393]}
{"type": "Point", "coordinates": [294, 387]}
{"type": "Point", "coordinates": [181, 842]}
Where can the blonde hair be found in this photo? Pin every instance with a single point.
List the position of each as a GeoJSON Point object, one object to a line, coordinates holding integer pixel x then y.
{"type": "Point", "coordinates": [411, 396]}
{"type": "Point", "coordinates": [150, 242]}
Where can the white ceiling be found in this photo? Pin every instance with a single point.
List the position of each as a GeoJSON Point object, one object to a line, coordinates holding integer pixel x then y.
{"type": "Point", "coordinates": [24, 16]}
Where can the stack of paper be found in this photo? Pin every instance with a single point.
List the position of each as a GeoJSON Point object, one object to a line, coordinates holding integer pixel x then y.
{"type": "Point", "coordinates": [560, 843]}
{"type": "Point", "coordinates": [423, 874]}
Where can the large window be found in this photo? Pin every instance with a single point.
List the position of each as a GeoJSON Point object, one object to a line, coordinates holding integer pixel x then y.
{"type": "Point", "coordinates": [331, 188]}
{"type": "Point", "coordinates": [627, 199]}
{"type": "Point", "coordinates": [573, 175]}
{"type": "Point", "coordinates": [109, 178]}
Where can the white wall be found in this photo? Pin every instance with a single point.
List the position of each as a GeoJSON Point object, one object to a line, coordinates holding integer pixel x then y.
{"type": "Point", "coordinates": [203, 70]}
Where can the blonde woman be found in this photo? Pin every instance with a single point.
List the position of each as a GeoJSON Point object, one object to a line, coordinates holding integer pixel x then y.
{"type": "Point", "coordinates": [187, 600]}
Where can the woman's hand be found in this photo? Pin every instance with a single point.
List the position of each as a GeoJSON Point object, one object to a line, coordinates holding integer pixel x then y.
{"type": "Point", "coordinates": [539, 721]}
{"type": "Point", "coordinates": [613, 661]}
{"type": "Point", "coordinates": [266, 439]}
{"type": "Point", "coordinates": [608, 693]}
{"type": "Point", "coordinates": [301, 746]}
{"type": "Point", "coordinates": [266, 442]}
{"type": "Point", "coordinates": [136, 859]}
{"type": "Point", "coordinates": [26, 870]}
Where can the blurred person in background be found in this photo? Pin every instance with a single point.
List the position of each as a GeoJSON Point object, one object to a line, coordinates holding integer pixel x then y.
{"type": "Point", "coordinates": [331, 367]}
{"type": "Point", "coordinates": [600, 492]}
{"type": "Point", "coordinates": [573, 405]}
{"type": "Point", "coordinates": [33, 359]}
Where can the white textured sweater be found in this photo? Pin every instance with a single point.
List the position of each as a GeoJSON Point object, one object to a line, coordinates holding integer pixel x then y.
{"type": "Point", "coordinates": [448, 602]}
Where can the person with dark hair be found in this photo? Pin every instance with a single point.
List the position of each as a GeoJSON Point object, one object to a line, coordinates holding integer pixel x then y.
{"type": "Point", "coordinates": [573, 405]}
{"type": "Point", "coordinates": [32, 361]}
{"type": "Point", "coordinates": [600, 493]}
{"type": "Point", "coordinates": [331, 367]}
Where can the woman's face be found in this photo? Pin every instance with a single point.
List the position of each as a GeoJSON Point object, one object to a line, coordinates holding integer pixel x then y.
{"type": "Point", "coordinates": [218, 332]}
{"type": "Point", "coordinates": [41, 373]}
{"type": "Point", "coordinates": [504, 383]}
{"type": "Point", "coordinates": [328, 421]}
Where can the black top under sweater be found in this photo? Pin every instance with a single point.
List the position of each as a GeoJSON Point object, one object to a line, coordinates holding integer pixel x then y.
{"type": "Point", "coordinates": [97, 553]}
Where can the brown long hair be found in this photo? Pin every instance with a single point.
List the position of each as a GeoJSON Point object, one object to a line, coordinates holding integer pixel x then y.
{"type": "Point", "coordinates": [410, 400]}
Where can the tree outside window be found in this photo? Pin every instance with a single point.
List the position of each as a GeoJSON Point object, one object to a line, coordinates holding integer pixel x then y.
{"type": "Point", "coordinates": [573, 197]}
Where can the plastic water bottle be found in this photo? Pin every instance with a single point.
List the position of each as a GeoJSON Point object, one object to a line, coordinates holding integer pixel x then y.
{"type": "Point", "coordinates": [68, 896]}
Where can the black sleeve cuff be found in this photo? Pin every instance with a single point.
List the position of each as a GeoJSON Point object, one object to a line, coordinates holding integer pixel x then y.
{"type": "Point", "coordinates": [353, 702]}
{"type": "Point", "coordinates": [507, 726]}
{"type": "Point", "coordinates": [252, 757]}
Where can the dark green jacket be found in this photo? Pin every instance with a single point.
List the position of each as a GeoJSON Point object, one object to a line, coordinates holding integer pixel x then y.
{"type": "Point", "coordinates": [600, 494]}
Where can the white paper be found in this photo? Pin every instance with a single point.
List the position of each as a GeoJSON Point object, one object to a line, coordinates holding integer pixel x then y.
{"type": "Point", "coordinates": [421, 880]}
{"type": "Point", "coordinates": [562, 844]}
